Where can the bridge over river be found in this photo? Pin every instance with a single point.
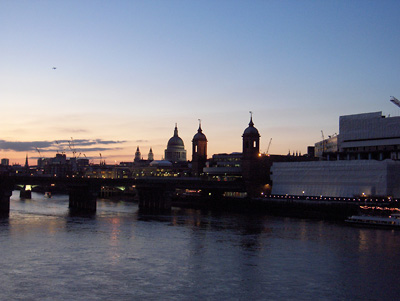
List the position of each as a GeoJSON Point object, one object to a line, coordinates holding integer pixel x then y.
{"type": "Point", "coordinates": [153, 192]}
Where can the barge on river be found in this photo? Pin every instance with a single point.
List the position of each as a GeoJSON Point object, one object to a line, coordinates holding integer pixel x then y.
{"type": "Point", "coordinates": [392, 221]}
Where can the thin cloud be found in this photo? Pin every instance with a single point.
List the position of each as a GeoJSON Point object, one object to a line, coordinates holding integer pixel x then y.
{"type": "Point", "coordinates": [99, 141]}
{"type": "Point", "coordinates": [97, 149]}
{"type": "Point", "coordinates": [83, 145]}
{"type": "Point", "coordinates": [71, 130]}
{"type": "Point", "coordinates": [23, 146]}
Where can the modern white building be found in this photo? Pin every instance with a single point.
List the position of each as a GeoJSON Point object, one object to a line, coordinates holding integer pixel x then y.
{"type": "Point", "coordinates": [364, 159]}
{"type": "Point", "coordinates": [342, 178]}
{"type": "Point", "coordinates": [363, 136]}
{"type": "Point", "coordinates": [371, 135]}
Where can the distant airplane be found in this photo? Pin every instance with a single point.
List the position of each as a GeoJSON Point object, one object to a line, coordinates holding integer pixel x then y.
{"type": "Point", "coordinates": [54, 68]}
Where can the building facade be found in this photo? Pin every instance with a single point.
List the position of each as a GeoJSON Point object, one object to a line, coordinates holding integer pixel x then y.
{"type": "Point", "coordinates": [343, 178]}
{"type": "Point", "coordinates": [326, 147]}
{"type": "Point", "coordinates": [363, 160]}
{"type": "Point", "coordinates": [370, 136]}
{"type": "Point", "coordinates": [224, 167]}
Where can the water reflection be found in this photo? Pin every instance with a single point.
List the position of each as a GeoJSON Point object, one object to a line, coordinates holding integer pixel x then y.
{"type": "Point", "coordinates": [123, 253]}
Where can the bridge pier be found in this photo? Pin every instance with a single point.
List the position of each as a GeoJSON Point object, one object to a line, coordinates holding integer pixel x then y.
{"type": "Point", "coordinates": [155, 198]}
{"type": "Point", "coordinates": [5, 194]}
{"type": "Point", "coordinates": [83, 197]}
{"type": "Point", "coordinates": [25, 193]}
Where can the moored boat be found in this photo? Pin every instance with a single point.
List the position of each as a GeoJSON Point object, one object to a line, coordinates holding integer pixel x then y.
{"type": "Point", "coordinates": [392, 221]}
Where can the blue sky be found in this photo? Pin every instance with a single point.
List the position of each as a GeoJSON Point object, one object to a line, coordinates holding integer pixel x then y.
{"type": "Point", "coordinates": [127, 71]}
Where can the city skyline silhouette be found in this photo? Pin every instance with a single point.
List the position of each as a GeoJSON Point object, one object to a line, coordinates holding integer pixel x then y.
{"type": "Point", "coordinates": [114, 76]}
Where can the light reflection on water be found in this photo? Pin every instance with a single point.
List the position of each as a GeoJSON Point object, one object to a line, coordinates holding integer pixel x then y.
{"type": "Point", "coordinates": [121, 253]}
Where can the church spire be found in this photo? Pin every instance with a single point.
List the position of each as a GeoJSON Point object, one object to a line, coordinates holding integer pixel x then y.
{"type": "Point", "coordinates": [150, 157]}
{"type": "Point", "coordinates": [199, 130]}
{"type": "Point", "coordinates": [26, 161]}
{"type": "Point", "coordinates": [138, 155]}
{"type": "Point", "coordinates": [251, 119]}
{"type": "Point", "coordinates": [176, 130]}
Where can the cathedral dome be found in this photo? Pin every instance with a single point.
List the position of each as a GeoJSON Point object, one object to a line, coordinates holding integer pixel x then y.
{"type": "Point", "coordinates": [175, 141]}
{"type": "Point", "coordinates": [175, 151]}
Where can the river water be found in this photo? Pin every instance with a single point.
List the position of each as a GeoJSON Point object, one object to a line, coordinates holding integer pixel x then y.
{"type": "Point", "coordinates": [122, 254]}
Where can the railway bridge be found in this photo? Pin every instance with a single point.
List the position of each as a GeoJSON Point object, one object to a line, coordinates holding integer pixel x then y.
{"type": "Point", "coordinates": [153, 192]}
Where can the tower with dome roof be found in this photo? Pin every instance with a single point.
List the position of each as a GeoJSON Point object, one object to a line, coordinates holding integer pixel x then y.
{"type": "Point", "coordinates": [251, 171]}
{"type": "Point", "coordinates": [199, 151]}
{"type": "Point", "coordinates": [251, 141]}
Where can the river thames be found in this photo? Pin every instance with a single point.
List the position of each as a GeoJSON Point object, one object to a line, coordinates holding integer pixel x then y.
{"type": "Point", "coordinates": [122, 254]}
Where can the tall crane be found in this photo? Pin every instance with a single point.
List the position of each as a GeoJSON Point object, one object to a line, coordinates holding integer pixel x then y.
{"type": "Point", "coordinates": [269, 144]}
{"type": "Point", "coordinates": [40, 155]}
{"type": "Point", "coordinates": [90, 161]}
{"type": "Point", "coordinates": [72, 147]}
{"type": "Point", "coordinates": [62, 150]}
{"type": "Point", "coordinates": [395, 101]}
{"type": "Point", "coordinates": [40, 161]}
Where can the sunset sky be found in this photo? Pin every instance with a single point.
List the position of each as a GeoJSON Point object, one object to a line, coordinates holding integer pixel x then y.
{"type": "Point", "coordinates": [127, 71]}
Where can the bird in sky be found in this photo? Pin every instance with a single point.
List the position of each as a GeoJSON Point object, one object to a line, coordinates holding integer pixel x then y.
{"type": "Point", "coordinates": [54, 68]}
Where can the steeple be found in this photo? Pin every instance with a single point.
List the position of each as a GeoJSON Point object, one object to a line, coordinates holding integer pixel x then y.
{"type": "Point", "coordinates": [150, 157]}
{"type": "Point", "coordinates": [176, 130]}
{"type": "Point", "coordinates": [251, 124]}
{"type": "Point", "coordinates": [137, 155]}
{"type": "Point", "coordinates": [26, 164]}
{"type": "Point", "coordinates": [26, 161]}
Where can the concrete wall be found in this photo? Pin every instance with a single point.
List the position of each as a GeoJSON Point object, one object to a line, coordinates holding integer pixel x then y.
{"type": "Point", "coordinates": [337, 178]}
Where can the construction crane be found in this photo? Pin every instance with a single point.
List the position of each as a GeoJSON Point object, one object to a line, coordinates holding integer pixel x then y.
{"type": "Point", "coordinates": [269, 145]}
{"type": "Point", "coordinates": [72, 147]}
{"type": "Point", "coordinates": [395, 101]}
{"type": "Point", "coordinates": [58, 145]}
{"type": "Point", "coordinates": [40, 155]}
{"type": "Point", "coordinates": [62, 150]}
{"type": "Point", "coordinates": [90, 161]}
